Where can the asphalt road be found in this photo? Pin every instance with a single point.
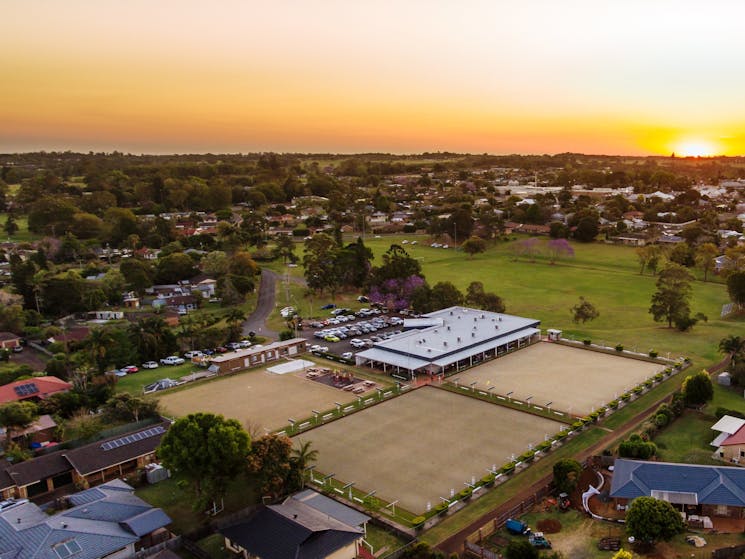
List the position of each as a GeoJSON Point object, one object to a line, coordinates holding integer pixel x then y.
{"type": "Point", "coordinates": [256, 322]}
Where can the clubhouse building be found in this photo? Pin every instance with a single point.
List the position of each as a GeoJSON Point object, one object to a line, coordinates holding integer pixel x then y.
{"type": "Point", "coordinates": [449, 340]}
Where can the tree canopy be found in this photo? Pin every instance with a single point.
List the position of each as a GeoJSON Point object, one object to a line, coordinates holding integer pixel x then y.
{"type": "Point", "coordinates": [671, 300]}
{"type": "Point", "coordinates": [650, 520]}
{"type": "Point", "coordinates": [206, 449]}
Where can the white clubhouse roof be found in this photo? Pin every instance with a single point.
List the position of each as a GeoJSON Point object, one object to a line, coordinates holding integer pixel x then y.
{"type": "Point", "coordinates": [457, 333]}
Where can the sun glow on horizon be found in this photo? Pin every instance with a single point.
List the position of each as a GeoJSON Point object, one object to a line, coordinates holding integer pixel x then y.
{"type": "Point", "coordinates": [696, 147]}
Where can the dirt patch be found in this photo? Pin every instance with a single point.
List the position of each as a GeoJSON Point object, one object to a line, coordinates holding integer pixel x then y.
{"type": "Point", "coordinates": [549, 526]}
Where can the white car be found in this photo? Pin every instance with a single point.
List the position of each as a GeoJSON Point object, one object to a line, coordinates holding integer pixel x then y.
{"type": "Point", "coordinates": [244, 344]}
{"type": "Point", "coordinates": [172, 360]}
{"type": "Point", "coordinates": [356, 342]}
{"type": "Point", "coordinates": [150, 365]}
{"type": "Point", "coordinates": [347, 355]}
{"type": "Point", "coordinates": [193, 353]}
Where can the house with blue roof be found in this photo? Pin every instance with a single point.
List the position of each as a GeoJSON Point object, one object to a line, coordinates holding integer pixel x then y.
{"type": "Point", "coordinates": [713, 491]}
{"type": "Point", "coordinates": [105, 521]}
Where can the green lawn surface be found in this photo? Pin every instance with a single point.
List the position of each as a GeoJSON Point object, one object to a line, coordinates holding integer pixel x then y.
{"type": "Point", "coordinates": [23, 234]}
{"type": "Point", "coordinates": [133, 383]}
{"type": "Point", "coordinates": [687, 439]}
{"type": "Point", "coordinates": [606, 275]}
{"type": "Point", "coordinates": [177, 500]}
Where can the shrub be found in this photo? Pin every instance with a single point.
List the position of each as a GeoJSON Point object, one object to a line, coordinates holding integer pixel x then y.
{"type": "Point", "coordinates": [465, 494]}
{"type": "Point", "coordinates": [638, 390]}
{"type": "Point", "coordinates": [527, 456]}
{"type": "Point", "coordinates": [577, 425]}
{"type": "Point", "coordinates": [507, 468]}
{"type": "Point", "coordinates": [613, 404]}
{"type": "Point", "coordinates": [626, 397]}
{"type": "Point", "coordinates": [652, 353]}
{"type": "Point", "coordinates": [418, 521]}
{"type": "Point", "coordinates": [721, 412]}
{"type": "Point", "coordinates": [593, 416]}
{"type": "Point", "coordinates": [545, 445]}
{"type": "Point", "coordinates": [648, 383]}
{"type": "Point", "coordinates": [488, 480]}
{"type": "Point", "coordinates": [636, 447]}
{"type": "Point", "coordinates": [587, 341]}
{"type": "Point", "coordinates": [658, 377]}
{"type": "Point", "coordinates": [619, 347]}
{"type": "Point", "coordinates": [442, 508]}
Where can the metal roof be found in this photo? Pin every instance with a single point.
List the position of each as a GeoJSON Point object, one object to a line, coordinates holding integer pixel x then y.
{"type": "Point", "coordinates": [728, 424]}
{"type": "Point", "coordinates": [331, 507]}
{"type": "Point", "coordinates": [26, 531]}
{"type": "Point", "coordinates": [394, 359]}
{"type": "Point", "coordinates": [712, 485]}
{"type": "Point", "coordinates": [486, 346]}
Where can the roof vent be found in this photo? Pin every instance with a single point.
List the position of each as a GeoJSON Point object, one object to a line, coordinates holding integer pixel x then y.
{"type": "Point", "coordinates": [458, 338]}
{"type": "Point", "coordinates": [445, 344]}
{"type": "Point", "coordinates": [448, 328]}
{"type": "Point", "coordinates": [429, 350]}
{"type": "Point", "coordinates": [451, 313]}
{"type": "Point", "coordinates": [500, 319]}
{"type": "Point", "coordinates": [473, 334]}
{"type": "Point", "coordinates": [483, 316]}
{"type": "Point", "coordinates": [475, 318]}
{"type": "Point", "coordinates": [496, 326]}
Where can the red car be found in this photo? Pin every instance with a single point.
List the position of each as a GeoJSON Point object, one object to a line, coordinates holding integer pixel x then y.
{"type": "Point", "coordinates": [129, 369]}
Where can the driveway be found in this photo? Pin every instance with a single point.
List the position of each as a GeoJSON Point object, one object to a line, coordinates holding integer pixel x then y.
{"type": "Point", "coordinates": [256, 322]}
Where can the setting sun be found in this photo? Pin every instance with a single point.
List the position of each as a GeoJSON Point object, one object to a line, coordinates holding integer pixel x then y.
{"type": "Point", "coordinates": [696, 148]}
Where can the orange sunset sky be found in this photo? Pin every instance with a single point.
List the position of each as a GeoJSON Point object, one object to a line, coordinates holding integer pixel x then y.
{"type": "Point", "coordinates": [498, 76]}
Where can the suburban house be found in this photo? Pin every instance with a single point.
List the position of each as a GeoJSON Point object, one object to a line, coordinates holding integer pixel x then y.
{"type": "Point", "coordinates": [85, 466]}
{"type": "Point", "coordinates": [108, 521]}
{"type": "Point", "coordinates": [730, 442]}
{"type": "Point", "coordinates": [696, 490]}
{"type": "Point", "coordinates": [307, 525]}
{"type": "Point", "coordinates": [39, 433]}
{"type": "Point", "coordinates": [253, 356]}
{"type": "Point", "coordinates": [8, 340]}
{"type": "Point", "coordinates": [445, 341]}
{"type": "Point", "coordinates": [35, 389]}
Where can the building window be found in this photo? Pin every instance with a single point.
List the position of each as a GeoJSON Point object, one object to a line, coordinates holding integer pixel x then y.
{"type": "Point", "coordinates": [66, 549]}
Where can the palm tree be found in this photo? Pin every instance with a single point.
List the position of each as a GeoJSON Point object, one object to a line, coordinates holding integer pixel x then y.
{"type": "Point", "coordinates": [99, 341]}
{"type": "Point", "coordinates": [732, 345]}
{"type": "Point", "coordinates": [299, 459]}
{"type": "Point", "coordinates": [235, 318]}
{"type": "Point", "coordinates": [303, 455]}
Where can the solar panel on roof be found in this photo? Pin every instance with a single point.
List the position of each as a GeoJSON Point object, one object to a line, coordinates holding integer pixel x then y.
{"type": "Point", "coordinates": [26, 389]}
{"type": "Point", "coordinates": [134, 437]}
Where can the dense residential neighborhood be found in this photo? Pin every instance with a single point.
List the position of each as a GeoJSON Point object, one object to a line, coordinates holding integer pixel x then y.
{"type": "Point", "coordinates": [313, 355]}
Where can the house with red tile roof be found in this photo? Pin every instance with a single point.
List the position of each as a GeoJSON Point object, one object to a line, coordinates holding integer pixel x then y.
{"type": "Point", "coordinates": [37, 388]}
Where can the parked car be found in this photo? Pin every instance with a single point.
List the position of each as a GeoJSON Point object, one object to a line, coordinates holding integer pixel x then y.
{"type": "Point", "coordinates": [244, 344]}
{"type": "Point", "coordinates": [172, 360]}
{"type": "Point", "coordinates": [17, 349]}
{"type": "Point", "coordinates": [193, 353]}
{"type": "Point", "coordinates": [347, 355]}
{"type": "Point", "coordinates": [150, 365]}
{"type": "Point", "coordinates": [331, 338]}
{"type": "Point", "coordinates": [129, 369]}
{"type": "Point", "coordinates": [363, 299]}
{"type": "Point", "coordinates": [328, 306]}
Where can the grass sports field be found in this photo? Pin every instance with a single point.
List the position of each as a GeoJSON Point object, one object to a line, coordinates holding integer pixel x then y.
{"type": "Point", "coordinates": [256, 398]}
{"type": "Point", "coordinates": [606, 275]}
{"type": "Point", "coordinates": [573, 379]}
{"type": "Point", "coordinates": [417, 447]}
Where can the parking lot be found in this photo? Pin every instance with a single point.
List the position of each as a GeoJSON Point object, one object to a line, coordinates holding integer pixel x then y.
{"type": "Point", "coordinates": [365, 325]}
